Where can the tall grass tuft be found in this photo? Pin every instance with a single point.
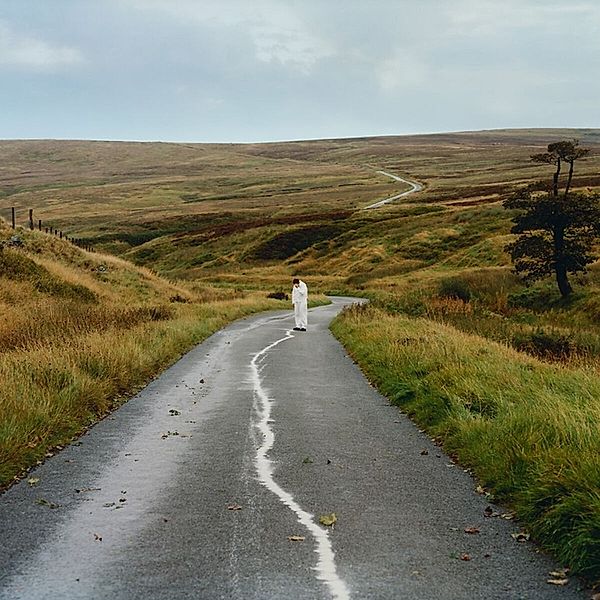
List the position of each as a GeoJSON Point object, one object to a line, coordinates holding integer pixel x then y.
{"type": "Point", "coordinates": [530, 431]}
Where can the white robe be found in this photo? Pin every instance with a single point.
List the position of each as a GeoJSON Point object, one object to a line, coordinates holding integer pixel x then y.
{"type": "Point", "coordinates": [300, 302]}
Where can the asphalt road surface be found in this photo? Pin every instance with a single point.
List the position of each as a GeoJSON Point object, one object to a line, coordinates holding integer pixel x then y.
{"type": "Point", "coordinates": [210, 484]}
{"type": "Point", "coordinates": [414, 187]}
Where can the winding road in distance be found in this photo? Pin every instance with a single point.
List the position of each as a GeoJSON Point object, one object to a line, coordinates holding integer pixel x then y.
{"type": "Point", "coordinates": [415, 187]}
{"type": "Point", "coordinates": [209, 484]}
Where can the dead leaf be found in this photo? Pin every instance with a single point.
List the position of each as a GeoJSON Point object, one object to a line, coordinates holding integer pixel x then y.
{"type": "Point", "coordinates": [522, 536]}
{"type": "Point", "coordinates": [97, 538]}
{"type": "Point", "coordinates": [328, 520]}
{"type": "Point", "coordinates": [471, 530]}
{"type": "Point", "coordinates": [44, 502]}
{"type": "Point", "coordinates": [596, 597]}
{"type": "Point", "coordinates": [508, 516]}
{"type": "Point", "coordinates": [424, 452]}
{"type": "Point", "coordinates": [560, 574]}
{"type": "Point", "coordinates": [33, 480]}
{"type": "Point", "coordinates": [234, 507]}
{"type": "Point", "coordinates": [557, 581]}
{"type": "Point", "coordinates": [296, 538]}
{"type": "Point", "coordinates": [465, 557]}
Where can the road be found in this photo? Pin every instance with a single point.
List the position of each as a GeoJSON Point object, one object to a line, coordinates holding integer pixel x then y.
{"type": "Point", "coordinates": [414, 187]}
{"type": "Point", "coordinates": [211, 481]}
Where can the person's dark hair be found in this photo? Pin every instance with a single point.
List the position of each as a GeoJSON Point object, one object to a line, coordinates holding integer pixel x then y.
{"type": "Point", "coordinates": [295, 280]}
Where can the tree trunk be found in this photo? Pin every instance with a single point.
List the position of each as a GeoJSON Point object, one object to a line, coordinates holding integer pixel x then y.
{"type": "Point", "coordinates": [571, 166]}
{"type": "Point", "coordinates": [560, 265]}
{"type": "Point", "coordinates": [563, 281]}
{"type": "Point", "coordinates": [555, 181]}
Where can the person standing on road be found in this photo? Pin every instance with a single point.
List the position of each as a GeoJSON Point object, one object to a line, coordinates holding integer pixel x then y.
{"type": "Point", "coordinates": [300, 302]}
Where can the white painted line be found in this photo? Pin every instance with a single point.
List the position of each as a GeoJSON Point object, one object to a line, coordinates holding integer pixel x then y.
{"type": "Point", "coordinates": [326, 568]}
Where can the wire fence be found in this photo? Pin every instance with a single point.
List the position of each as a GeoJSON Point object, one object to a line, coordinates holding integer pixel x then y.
{"type": "Point", "coordinates": [49, 229]}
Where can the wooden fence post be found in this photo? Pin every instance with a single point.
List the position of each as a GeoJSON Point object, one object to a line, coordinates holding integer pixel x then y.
{"type": "Point", "coordinates": [31, 219]}
{"type": "Point", "coordinates": [39, 224]}
{"type": "Point", "coordinates": [13, 218]}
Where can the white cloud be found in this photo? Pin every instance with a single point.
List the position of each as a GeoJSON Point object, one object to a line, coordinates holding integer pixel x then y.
{"type": "Point", "coordinates": [278, 32]}
{"type": "Point", "coordinates": [402, 70]}
{"type": "Point", "coordinates": [491, 18]}
{"type": "Point", "coordinates": [18, 50]}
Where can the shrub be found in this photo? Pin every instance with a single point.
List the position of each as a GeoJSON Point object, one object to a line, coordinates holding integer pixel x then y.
{"type": "Point", "coordinates": [534, 298]}
{"type": "Point", "coordinates": [278, 295]}
{"type": "Point", "coordinates": [456, 288]}
{"type": "Point", "coordinates": [544, 344]}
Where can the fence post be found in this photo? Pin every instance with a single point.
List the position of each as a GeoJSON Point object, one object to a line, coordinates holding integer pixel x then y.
{"type": "Point", "coordinates": [31, 219]}
{"type": "Point", "coordinates": [61, 235]}
{"type": "Point", "coordinates": [13, 218]}
{"type": "Point", "coordinates": [39, 224]}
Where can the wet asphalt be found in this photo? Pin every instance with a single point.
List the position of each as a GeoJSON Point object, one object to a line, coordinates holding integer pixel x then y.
{"type": "Point", "coordinates": [162, 499]}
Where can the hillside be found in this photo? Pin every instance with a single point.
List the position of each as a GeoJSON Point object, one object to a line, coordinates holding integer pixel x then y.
{"type": "Point", "coordinates": [81, 331]}
{"type": "Point", "coordinates": [215, 212]}
{"type": "Point", "coordinates": [230, 222]}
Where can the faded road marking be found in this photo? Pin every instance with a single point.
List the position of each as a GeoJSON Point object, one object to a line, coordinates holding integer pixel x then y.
{"type": "Point", "coordinates": [326, 568]}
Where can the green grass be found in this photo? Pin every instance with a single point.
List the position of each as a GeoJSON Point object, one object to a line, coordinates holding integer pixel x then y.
{"type": "Point", "coordinates": [235, 222]}
{"type": "Point", "coordinates": [528, 430]}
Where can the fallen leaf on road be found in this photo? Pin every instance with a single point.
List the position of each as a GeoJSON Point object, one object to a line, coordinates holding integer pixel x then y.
{"type": "Point", "coordinates": [328, 520]}
{"type": "Point", "coordinates": [97, 538]}
{"type": "Point", "coordinates": [234, 507]}
{"type": "Point", "coordinates": [558, 581]}
{"type": "Point", "coordinates": [296, 538]}
{"type": "Point", "coordinates": [44, 502]}
{"type": "Point", "coordinates": [521, 536]}
{"type": "Point", "coordinates": [33, 480]}
{"type": "Point", "coordinates": [174, 413]}
{"type": "Point", "coordinates": [424, 452]}
{"type": "Point", "coordinates": [560, 574]}
{"type": "Point", "coordinates": [465, 557]}
{"type": "Point", "coordinates": [508, 516]}
{"type": "Point", "coordinates": [596, 597]}
{"type": "Point", "coordinates": [471, 529]}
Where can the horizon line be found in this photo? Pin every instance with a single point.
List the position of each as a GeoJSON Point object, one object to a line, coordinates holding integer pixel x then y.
{"type": "Point", "coordinates": [295, 140]}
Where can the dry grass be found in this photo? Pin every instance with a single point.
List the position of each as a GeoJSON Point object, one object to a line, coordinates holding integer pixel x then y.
{"type": "Point", "coordinates": [79, 332]}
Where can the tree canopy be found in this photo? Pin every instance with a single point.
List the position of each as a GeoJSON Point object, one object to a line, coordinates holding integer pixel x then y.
{"type": "Point", "coordinates": [556, 230]}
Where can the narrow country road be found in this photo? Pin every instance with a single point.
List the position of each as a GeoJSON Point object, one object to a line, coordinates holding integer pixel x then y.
{"type": "Point", "coordinates": [415, 187]}
{"type": "Point", "coordinates": [210, 483]}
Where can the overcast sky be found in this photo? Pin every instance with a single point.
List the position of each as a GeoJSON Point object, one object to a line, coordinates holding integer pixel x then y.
{"type": "Point", "coordinates": [260, 70]}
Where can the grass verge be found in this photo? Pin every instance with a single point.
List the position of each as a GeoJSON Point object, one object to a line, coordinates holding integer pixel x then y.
{"type": "Point", "coordinates": [528, 430]}
{"type": "Point", "coordinates": [51, 392]}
